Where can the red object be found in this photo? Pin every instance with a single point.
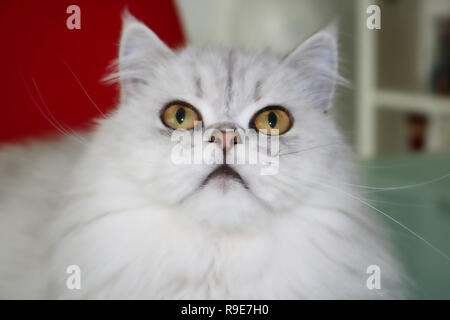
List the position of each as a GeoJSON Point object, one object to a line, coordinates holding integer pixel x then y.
{"type": "Point", "coordinates": [50, 72]}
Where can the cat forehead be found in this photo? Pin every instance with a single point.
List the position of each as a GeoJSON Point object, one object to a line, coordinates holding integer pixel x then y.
{"type": "Point", "coordinates": [227, 77]}
{"type": "Point", "coordinates": [219, 58]}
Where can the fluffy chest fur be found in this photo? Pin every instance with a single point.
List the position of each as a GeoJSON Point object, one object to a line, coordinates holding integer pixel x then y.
{"type": "Point", "coordinates": [130, 246]}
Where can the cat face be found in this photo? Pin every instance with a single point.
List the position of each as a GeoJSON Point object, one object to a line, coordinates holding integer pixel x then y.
{"type": "Point", "coordinates": [229, 92]}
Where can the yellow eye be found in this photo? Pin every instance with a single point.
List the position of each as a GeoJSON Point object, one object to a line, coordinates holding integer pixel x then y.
{"type": "Point", "coordinates": [270, 119]}
{"type": "Point", "coordinates": [180, 116]}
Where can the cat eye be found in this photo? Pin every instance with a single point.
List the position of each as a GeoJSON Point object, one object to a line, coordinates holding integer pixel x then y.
{"type": "Point", "coordinates": [180, 115]}
{"type": "Point", "coordinates": [270, 119]}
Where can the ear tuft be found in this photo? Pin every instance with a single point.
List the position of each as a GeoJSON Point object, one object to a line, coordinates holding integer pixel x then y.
{"type": "Point", "coordinates": [137, 39]}
{"type": "Point", "coordinates": [140, 49]}
{"type": "Point", "coordinates": [317, 61]}
{"type": "Point", "coordinates": [319, 50]}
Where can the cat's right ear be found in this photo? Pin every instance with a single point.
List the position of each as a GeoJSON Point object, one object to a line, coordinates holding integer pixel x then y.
{"type": "Point", "coordinates": [140, 49]}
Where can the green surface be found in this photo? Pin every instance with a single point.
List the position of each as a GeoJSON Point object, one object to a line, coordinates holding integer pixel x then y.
{"type": "Point", "coordinates": [422, 206]}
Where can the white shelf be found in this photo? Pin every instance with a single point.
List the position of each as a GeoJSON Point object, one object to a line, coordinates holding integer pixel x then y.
{"type": "Point", "coordinates": [371, 99]}
{"type": "Point", "coordinates": [415, 102]}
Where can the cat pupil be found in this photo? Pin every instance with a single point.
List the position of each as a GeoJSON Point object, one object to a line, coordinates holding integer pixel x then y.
{"type": "Point", "coordinates": [181, 113]}
{"type": "Point", "coordinates": [272, 118]}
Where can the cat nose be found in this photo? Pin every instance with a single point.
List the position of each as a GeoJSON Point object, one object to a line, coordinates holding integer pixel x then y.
{"type": "Point", "coordinates": [225, 138]}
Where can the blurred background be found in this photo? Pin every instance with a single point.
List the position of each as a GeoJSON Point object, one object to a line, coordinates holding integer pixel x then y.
{"type": "Point", "coordinates": [396, 116]}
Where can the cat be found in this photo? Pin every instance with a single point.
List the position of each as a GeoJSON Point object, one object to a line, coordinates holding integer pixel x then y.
{"type": "Point", "coordinates": [140, 226]}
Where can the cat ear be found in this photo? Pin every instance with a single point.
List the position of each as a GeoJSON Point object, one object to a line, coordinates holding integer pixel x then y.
{"type": "Point", "coordinates": [316, 60]}
{"type": "Point", "coordinates": [140, 49]}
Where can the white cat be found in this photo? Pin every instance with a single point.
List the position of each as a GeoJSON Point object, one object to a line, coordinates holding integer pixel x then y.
{"type": "Point", "coordinates": [140, 226]}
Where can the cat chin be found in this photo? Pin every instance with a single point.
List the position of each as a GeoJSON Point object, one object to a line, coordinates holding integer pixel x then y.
{"type": "Point", "coordinates": [237, 210]}
{"type": "Point", "coordinates": [225, 184]}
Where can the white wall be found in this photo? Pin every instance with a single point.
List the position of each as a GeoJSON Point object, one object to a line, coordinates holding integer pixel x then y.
{"type": "Point", "coordinates": [276, 24]}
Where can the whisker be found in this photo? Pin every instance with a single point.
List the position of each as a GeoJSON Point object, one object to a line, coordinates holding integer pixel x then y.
{"type": "Point", "coordinates": [437, 250]}
{"type": "Point", "coordinates": [61, 125]}
{"type": "Point", "coordinates": [402, 187]}
{"type": "Point", "coordinates": [402, 164]}
{"type": "Point", "coordinates": [401, 204]}
{"type": "Point", "coordinates": [82, 87]}
{"type": "Point", "coordinates": [357, 219]}
{"type": "Point", "coordinates": [60, 129]}
{"type": "Point", "coordinates": [309, 148]}
{"type": "Point", "coordinates": [415, 185]}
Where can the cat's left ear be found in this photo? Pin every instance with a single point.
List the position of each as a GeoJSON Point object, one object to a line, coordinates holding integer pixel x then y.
{"type": "Point", "coordinates": [140, 50]}
{"type": "Point", "coordinates": [316, 60]}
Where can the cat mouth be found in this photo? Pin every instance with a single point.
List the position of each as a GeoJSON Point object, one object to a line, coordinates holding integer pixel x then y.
{"type": "Point", "coordinates": [225, 172]}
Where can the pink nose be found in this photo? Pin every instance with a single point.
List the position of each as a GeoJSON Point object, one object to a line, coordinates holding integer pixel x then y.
{"type": "Point", "coordinates": [225, 138]}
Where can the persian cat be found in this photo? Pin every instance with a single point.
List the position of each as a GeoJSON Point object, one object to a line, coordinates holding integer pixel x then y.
{"type": "Point", "coordinates": [137, 224]}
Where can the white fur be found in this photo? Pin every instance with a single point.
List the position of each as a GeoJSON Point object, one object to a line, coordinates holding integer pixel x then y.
{"type": "Point", "coordinates": [140, 226]}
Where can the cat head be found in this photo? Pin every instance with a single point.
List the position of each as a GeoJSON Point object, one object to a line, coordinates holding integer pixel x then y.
{"type": "Point", "coordinates": [228, 92]}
